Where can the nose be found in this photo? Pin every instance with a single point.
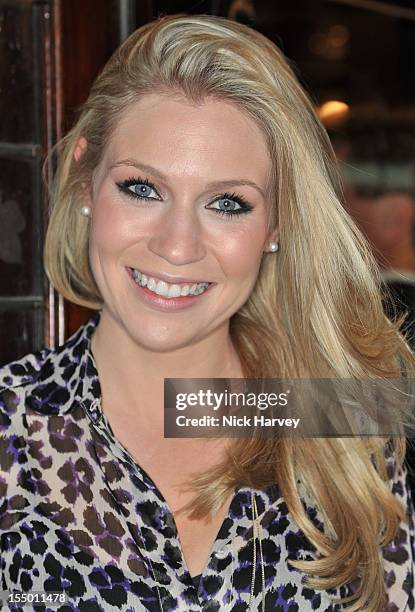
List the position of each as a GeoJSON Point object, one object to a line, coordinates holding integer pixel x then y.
{"type": "Point", "coordinates": [178, 236]}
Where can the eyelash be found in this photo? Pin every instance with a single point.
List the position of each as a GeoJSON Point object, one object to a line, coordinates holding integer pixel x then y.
{"type": "Point", "coordinates": [123, 186]}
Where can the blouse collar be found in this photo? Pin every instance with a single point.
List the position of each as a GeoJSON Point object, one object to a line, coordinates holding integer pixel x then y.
{"type": "Point", "coordinates": [82, 386]}
{"type": "Point", "coordinates": [67, 375]}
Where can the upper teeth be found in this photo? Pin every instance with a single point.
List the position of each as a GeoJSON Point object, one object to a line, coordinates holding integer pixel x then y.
{"type": "Point", "coordinates": [166, 289]}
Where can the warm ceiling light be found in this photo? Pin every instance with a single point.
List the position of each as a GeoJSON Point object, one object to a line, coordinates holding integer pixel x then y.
{"type": "Point", "coordinates": [332, 111]}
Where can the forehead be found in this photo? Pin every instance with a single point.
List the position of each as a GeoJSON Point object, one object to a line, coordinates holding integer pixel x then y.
{"type": "Point", "coordinates": [213, 137]}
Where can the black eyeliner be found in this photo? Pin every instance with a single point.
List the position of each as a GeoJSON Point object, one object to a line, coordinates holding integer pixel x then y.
{"type": "Point", "coordinates": [234, 197]}
{"type": "Point", "coordinates": [123, 186]}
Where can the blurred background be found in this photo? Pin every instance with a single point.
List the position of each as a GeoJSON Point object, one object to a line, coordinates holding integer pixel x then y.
{"type": "Point", "coordinates": [356, 58]}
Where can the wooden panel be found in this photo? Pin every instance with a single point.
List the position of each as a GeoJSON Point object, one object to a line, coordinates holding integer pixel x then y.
{"type": "Point", "coordinates": [87, 34]}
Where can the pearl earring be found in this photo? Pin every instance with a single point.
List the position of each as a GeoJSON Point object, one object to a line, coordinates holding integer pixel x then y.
{"type": "Point", "coordinates": [86, 211]}
{"type": "Point", "coordinates": [274, 246]}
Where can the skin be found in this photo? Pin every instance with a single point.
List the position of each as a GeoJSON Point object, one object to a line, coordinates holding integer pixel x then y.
{"type": "Point", "coordinates": [192, 146]}
{"type": "Point", "coordinates": [135, 347]}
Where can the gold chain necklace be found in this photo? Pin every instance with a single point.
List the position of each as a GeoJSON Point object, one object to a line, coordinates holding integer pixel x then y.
{"type": "Point", "coordinates": [256, 532]}
{"type": "Point", "coordinates": [256, 527]}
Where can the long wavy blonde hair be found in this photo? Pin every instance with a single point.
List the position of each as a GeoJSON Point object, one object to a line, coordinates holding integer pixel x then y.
{"type": "Point", "coordinates": [315, 310]}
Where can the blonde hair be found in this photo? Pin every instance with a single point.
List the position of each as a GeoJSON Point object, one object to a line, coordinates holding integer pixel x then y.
{"type": "Point", "coordinates": [315, 310]}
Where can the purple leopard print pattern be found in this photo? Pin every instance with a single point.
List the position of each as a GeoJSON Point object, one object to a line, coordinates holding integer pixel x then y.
{"type": "Point", "coordinates": [79, 515]}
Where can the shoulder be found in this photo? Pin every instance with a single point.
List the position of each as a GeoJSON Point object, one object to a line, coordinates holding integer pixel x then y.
{"type": "Point", "coordinates": [399, 555]}
{"type": "Point", "coordinates": [23, 371]}
{"type": "Point", "coordinates": [17, 379]}
{"type": "Point", "coordinates": [46, 381]}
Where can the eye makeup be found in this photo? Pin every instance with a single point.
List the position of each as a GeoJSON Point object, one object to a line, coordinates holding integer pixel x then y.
{"type": "Point", "coordinates": [125, 187]}
{"type": "Point", "coordinates": [145, 188]}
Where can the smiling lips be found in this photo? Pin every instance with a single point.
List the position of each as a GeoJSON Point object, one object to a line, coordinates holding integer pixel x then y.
{"type": "Point", "coordinates": [168, 290]}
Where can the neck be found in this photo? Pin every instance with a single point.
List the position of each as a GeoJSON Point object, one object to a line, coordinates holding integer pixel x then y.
{"type": "Point", "coordinates": [132, 376]}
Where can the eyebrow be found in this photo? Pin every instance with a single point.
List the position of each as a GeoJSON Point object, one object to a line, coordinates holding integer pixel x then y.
{"type": "Point", "coordinates": [162, 177]}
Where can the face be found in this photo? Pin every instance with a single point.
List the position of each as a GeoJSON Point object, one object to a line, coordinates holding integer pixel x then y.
{"type": "Point", "coordinates": [180, 196]}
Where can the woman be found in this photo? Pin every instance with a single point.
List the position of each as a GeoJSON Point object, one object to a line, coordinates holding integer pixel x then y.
{"type": "Point", "coordinates": [196, 154]}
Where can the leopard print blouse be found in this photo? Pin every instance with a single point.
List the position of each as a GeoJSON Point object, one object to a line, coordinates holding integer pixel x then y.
{"type": "Point", "coordinates": [79, 517]}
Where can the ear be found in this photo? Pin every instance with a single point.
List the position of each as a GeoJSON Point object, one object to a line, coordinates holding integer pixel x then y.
{"type": "Point", "coordinates": [274, 236]}
{"type": "Point", "coordinates": [80, 148]}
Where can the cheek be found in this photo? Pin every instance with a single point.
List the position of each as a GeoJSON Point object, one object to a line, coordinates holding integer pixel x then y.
{"type": "Point", "coordinates": [112, 228]}
{"type": "Point", "coordinates": [241, 255]}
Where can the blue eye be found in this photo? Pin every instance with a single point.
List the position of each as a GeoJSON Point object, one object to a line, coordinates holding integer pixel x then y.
{"type": "Point", "coordinates": [141, 190]}
{"type": "Point", "coordinates": [138, 188]}
{"type": "Point", "coordinates": [231, 205]}
{"type": "Point", "coordinates": [227, 205]}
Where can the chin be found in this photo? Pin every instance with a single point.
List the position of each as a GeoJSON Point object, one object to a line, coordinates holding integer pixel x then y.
{"type": "Point", "coordinates": [163, 340]}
